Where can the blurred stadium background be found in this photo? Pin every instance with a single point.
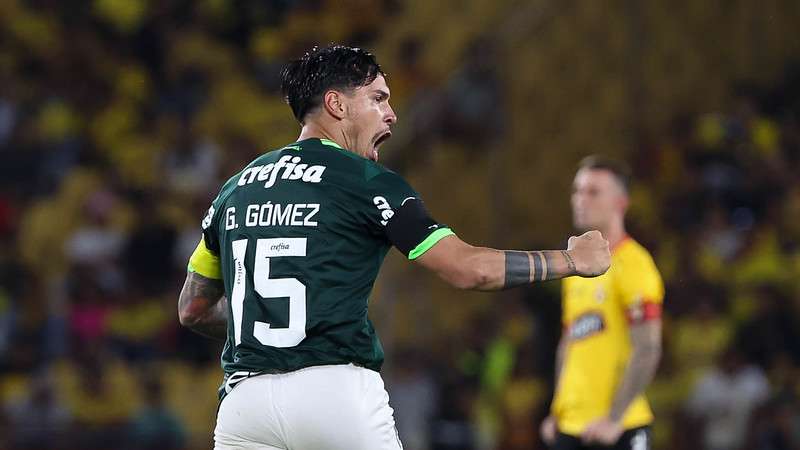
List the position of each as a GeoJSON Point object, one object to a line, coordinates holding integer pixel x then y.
{"type": "Point", "coordinates": [119, 119]}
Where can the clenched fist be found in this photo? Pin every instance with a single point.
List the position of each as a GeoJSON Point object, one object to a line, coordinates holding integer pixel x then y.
{"type": "Point", "coordinates": [590, 254]}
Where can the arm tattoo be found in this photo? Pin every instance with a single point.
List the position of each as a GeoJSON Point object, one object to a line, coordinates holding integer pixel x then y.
{"type": "Point", "coordinates": [570, 262]}
{"type": "Point", "coordinates": [646, 339]}
{"type": "Point", "coordinates": [555, 267]}
{"type": "Point", "coordinates": [539, 266]}
{"type": "Point", "coordinates": [200, 286]}
{"type": "Point", "coordinates": [527, 267]}
{"type": "Point", "coordinates": [215, 324]}
{"type": "Point", "coordinates": [518, 268]}
{"type": "Point", "coordinates": [202, 301]}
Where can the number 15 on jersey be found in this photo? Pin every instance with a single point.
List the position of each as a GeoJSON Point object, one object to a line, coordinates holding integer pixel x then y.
{"type": "Point", "coordinates": [269, 289]}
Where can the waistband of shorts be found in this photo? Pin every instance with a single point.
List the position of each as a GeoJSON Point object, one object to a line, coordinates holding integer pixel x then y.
{"type": "Point", "coordinates": [232, 379]}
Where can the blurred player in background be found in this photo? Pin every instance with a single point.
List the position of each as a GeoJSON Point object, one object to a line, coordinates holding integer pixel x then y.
{"type": "Point", "coordinates": [291, 248]}
{"type": "Point", "coordinates": [611, 344]}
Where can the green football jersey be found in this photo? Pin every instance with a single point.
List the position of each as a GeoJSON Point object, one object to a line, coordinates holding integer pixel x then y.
{"type": "Point", "coordinates": [301, 233]}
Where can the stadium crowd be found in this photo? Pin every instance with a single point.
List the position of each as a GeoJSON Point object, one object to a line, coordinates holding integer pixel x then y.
{"type": "Point", "coordinates": [119, 121]}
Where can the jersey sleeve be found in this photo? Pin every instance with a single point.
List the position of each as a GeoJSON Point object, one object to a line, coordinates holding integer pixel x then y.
{"type": "Point", "coordinates": [397, 211]}
{"type": "Point", "coordinates": [641, 288]}
{"type": "Point", "coordinates": [205, 259]}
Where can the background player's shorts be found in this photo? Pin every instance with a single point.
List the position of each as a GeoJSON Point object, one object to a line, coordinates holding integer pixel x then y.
{"type": "Point", "coordinates": [340, 407]}
{"type": "Point", "coordinates": [633, 439]}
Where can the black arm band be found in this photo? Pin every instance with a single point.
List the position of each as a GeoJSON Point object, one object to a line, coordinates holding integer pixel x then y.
{"type": "Point", "coordinates": [410, 225]}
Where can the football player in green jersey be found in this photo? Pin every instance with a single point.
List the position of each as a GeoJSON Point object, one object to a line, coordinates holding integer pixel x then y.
{"type": "Point", "coordinates": [289, 253]}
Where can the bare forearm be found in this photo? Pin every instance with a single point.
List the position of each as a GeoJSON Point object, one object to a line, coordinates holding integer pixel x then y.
{"type": "Point", "coordinates": [486, 269]}
{"type": "Point", "coordinates": [202, 307]}
{"type": "Point", "coordinates": [214, 323]}
{"type": "Point", "coordinates": [529, 267]}
{"type": "Point", "coordinates": [560, 355]}
{"type": "Point", "coordinates": [638, 374]}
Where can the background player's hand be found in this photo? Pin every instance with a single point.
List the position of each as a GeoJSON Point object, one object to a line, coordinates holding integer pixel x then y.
{"type": "Point", "coordinates": [548, 430]}
{"type": "Point", "coordinates": [590, 253]}
{"type": "Point", "coordinates": [602, 431]}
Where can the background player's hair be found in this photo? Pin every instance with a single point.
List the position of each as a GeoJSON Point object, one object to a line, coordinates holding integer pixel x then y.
{"type": "Point", "coordinates": [305, 80]}
{"type": "Point", "coordinates": [617, 168]}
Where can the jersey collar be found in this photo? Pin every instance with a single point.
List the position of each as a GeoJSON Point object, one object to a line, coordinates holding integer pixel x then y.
{"type": "Point", "coordinates": [322, 141]}
{"type": "Point", "coordinates": [621, 243]}
{"type": "Point", "coordinates": [331, 143]}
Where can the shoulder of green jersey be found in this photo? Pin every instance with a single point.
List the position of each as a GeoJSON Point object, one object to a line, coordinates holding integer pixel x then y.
{"type": "Point", "coordinates": [373, 169]}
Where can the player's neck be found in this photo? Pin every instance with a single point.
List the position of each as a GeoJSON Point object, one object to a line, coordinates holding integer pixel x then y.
{"type": "Point", "coordinates": [615, 233]}
{"type": "Point", "coordinates": [314, 130]}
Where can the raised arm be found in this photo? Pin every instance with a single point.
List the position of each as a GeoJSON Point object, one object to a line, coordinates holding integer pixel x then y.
{"type": "Point", "coordinates": [478, 268]}
{"type": "Point", "coordinates": [202, 307]}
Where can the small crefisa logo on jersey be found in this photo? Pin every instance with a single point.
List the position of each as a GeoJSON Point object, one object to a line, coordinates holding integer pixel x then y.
{"type": "Point", "coordinates": [586, 325]}
{"type": "Point", "coordinates": [288, 167]}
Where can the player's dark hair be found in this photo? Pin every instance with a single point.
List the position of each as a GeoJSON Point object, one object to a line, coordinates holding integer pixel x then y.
{"type": "Point", "coordinates": [305, 80]}
{"type": "Point", "coordinates": [618, 169]}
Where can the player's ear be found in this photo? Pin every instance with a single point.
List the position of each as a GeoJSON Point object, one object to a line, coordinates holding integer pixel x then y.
{"type": "Point", "coordinates": [333, 102]}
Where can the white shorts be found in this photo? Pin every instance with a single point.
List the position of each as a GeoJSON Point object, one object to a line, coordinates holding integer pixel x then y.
{"type": "Point", "coordinates": [340, 407]}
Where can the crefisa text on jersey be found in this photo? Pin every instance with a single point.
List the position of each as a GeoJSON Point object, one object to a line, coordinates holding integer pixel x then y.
{"type": "Point", "coordinates": [292, 170]}
{"type": "Point", "coordinates": [288, 167]}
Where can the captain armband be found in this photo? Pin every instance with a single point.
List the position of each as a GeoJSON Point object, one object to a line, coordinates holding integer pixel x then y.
{"type": "Point", "coordinates": [204, 262]}
{"type": "Point", "coordinates": [644, 311]}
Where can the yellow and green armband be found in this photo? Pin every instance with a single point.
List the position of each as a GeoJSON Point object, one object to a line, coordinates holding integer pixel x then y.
{"type": "Point", "coordinates": [205, 263]}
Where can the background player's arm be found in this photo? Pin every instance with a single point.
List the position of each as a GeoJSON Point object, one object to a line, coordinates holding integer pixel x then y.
{"type": "Point", "coordinates": [202, 306]}
{"type": "Point", "coordinates": [561, 352]}
{"type": "Point", "coordinates": [646, 342]}
{"type": "Point", "coordinates": [467, 267]}
{"type": "Point", "coordinates": [548, 428]}
{"type": "Point", "coordinates": [641, 293]}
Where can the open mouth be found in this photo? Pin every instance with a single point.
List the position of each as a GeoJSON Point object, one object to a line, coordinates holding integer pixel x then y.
{"type": "Point", "coordinates": [378, 141]}
{"type": "Point", "coordinates": [382, 138]}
